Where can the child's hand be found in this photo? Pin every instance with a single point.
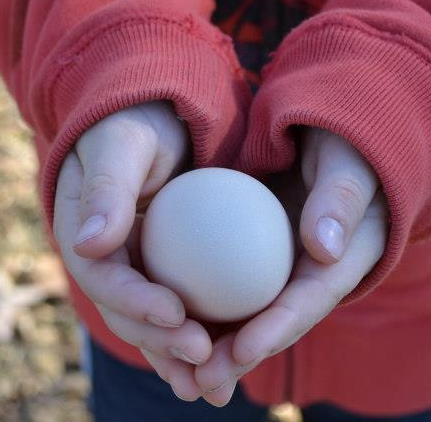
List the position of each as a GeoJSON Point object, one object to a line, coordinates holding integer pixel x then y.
{"type": "Point", "coordinates": [121, 161]}
{"type": "Point", "coordinates": [343, 223]}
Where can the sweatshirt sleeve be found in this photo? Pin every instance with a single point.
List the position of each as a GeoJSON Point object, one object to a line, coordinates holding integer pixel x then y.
{"type": "Point", "coordinates": [360, 69]}
{"type": "Point", "coordinates": [70, 63]}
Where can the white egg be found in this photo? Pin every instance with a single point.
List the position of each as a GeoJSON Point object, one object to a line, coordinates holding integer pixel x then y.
{"type": "Point", "coordinates": [221, 240]}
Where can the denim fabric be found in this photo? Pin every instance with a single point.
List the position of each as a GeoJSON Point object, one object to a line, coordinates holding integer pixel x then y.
{"type": "Point", "coordinates": [323, 412]}
{"type": "Point", "coordinates": [122, 393]}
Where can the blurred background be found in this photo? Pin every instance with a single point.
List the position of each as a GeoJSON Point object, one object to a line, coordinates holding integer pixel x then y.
{"type": "Point", "coordinates": [40, 378]}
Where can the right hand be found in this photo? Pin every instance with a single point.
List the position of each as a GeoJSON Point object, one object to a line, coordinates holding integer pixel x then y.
{"type": "Point", "coordinates": [118, 164]}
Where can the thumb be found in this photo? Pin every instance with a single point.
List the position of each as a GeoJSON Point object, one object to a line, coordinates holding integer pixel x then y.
{"type": "Point", "coordinates": [343, 187]}
{"type": "Point", "coordinates": [116, 155]}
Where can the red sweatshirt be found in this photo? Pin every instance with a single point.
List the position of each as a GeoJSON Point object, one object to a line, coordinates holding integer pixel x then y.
{"type": "Point", "coordinates": [359, 68]}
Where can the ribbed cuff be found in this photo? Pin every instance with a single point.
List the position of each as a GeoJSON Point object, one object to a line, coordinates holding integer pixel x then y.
{"type": "Point", "coordinates": [371, 90]}
{"type": "Point", "coordinates": [118, 61]}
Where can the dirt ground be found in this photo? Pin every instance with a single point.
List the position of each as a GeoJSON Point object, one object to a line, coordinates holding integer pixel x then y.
{"type": "Point", "coordinates": [40, 379]}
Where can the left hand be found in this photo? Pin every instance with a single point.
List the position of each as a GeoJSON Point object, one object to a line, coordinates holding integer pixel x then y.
{"type": "Point", "coordinates": [117, 166]}
{"type": "Point", "coordinates": [343, 229]}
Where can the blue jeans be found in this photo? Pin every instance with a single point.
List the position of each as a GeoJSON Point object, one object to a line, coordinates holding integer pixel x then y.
{"type": "Point", "coordinates": [323, 412]}
{"type": "Point", "coordinates": [123, 393]}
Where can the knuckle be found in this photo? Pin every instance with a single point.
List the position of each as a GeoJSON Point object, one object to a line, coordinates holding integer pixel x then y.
{"type": "Point", "coordinates": [94, 290]}
{"type": "Point", "coordinates": [136, 303]}
{"type": "Point", "coordinates": [163, 371]}
{"type": "Point", "coordinates": [350, 190]}
{"type": "Point", "coordinates": [118, 331]}
{"type": "Point", "coordinates": [292, 315]}
{"type": "Point", "coordinates": [102, 183]}
{"type": "Point", "coordinates": [116, 326]}
{"type": "Point", "coordinates": [351, 198]}
{"type": "Point", "coordinates": [99, 182]}
{"type": "Point", "coordinates": [108, 292]}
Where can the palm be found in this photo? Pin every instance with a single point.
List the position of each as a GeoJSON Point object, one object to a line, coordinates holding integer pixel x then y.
{"type": "Point", "coordinates": [319, 280]}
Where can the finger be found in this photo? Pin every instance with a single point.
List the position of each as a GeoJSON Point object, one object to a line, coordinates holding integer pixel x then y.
{"type": "Point", "coordinates": [216, 378]}
{"type": "Point", "coordinates": [118, 155]}
{"type": "Point", "coordinates": [343, 187]}
{"type": "Point", "coordinates": [172, 152]}
{"type": "Point", "coordinates": [189, 343]}
{"type": "Point", "coordinates": [111, 281]}
{"type": "Point", "coordinates": [313, 292]}
{"type": "Point", "coordinates": [178, 374]}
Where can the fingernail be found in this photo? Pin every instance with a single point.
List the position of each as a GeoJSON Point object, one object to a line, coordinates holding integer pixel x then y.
{"type": "Point", "coordinates": [222, 385]}
{"type": "Point", "coordinates": [155, 320]}
{"type": "Point", "coordinates": [179, 354]}
{"type": "Point", "coordinates": [93, 226]}
{"type": "Point", "coordinates": [331, 235]}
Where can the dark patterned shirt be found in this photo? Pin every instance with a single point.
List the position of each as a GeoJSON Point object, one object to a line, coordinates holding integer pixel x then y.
{"type": "Point", "coordinates": [258, 27]}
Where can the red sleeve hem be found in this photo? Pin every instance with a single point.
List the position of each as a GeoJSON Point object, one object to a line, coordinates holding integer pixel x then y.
{"type": "Point", "coordinates": [135, 59]}
{"type": "Point", "coordinates": [368, 88]}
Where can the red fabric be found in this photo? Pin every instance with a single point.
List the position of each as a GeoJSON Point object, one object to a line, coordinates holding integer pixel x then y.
{"type": "Point", "coordinates": [358, 68]}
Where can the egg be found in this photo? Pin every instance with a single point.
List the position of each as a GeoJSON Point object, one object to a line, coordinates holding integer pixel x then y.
{"type": "Point", "coordinates": [221, 240]}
